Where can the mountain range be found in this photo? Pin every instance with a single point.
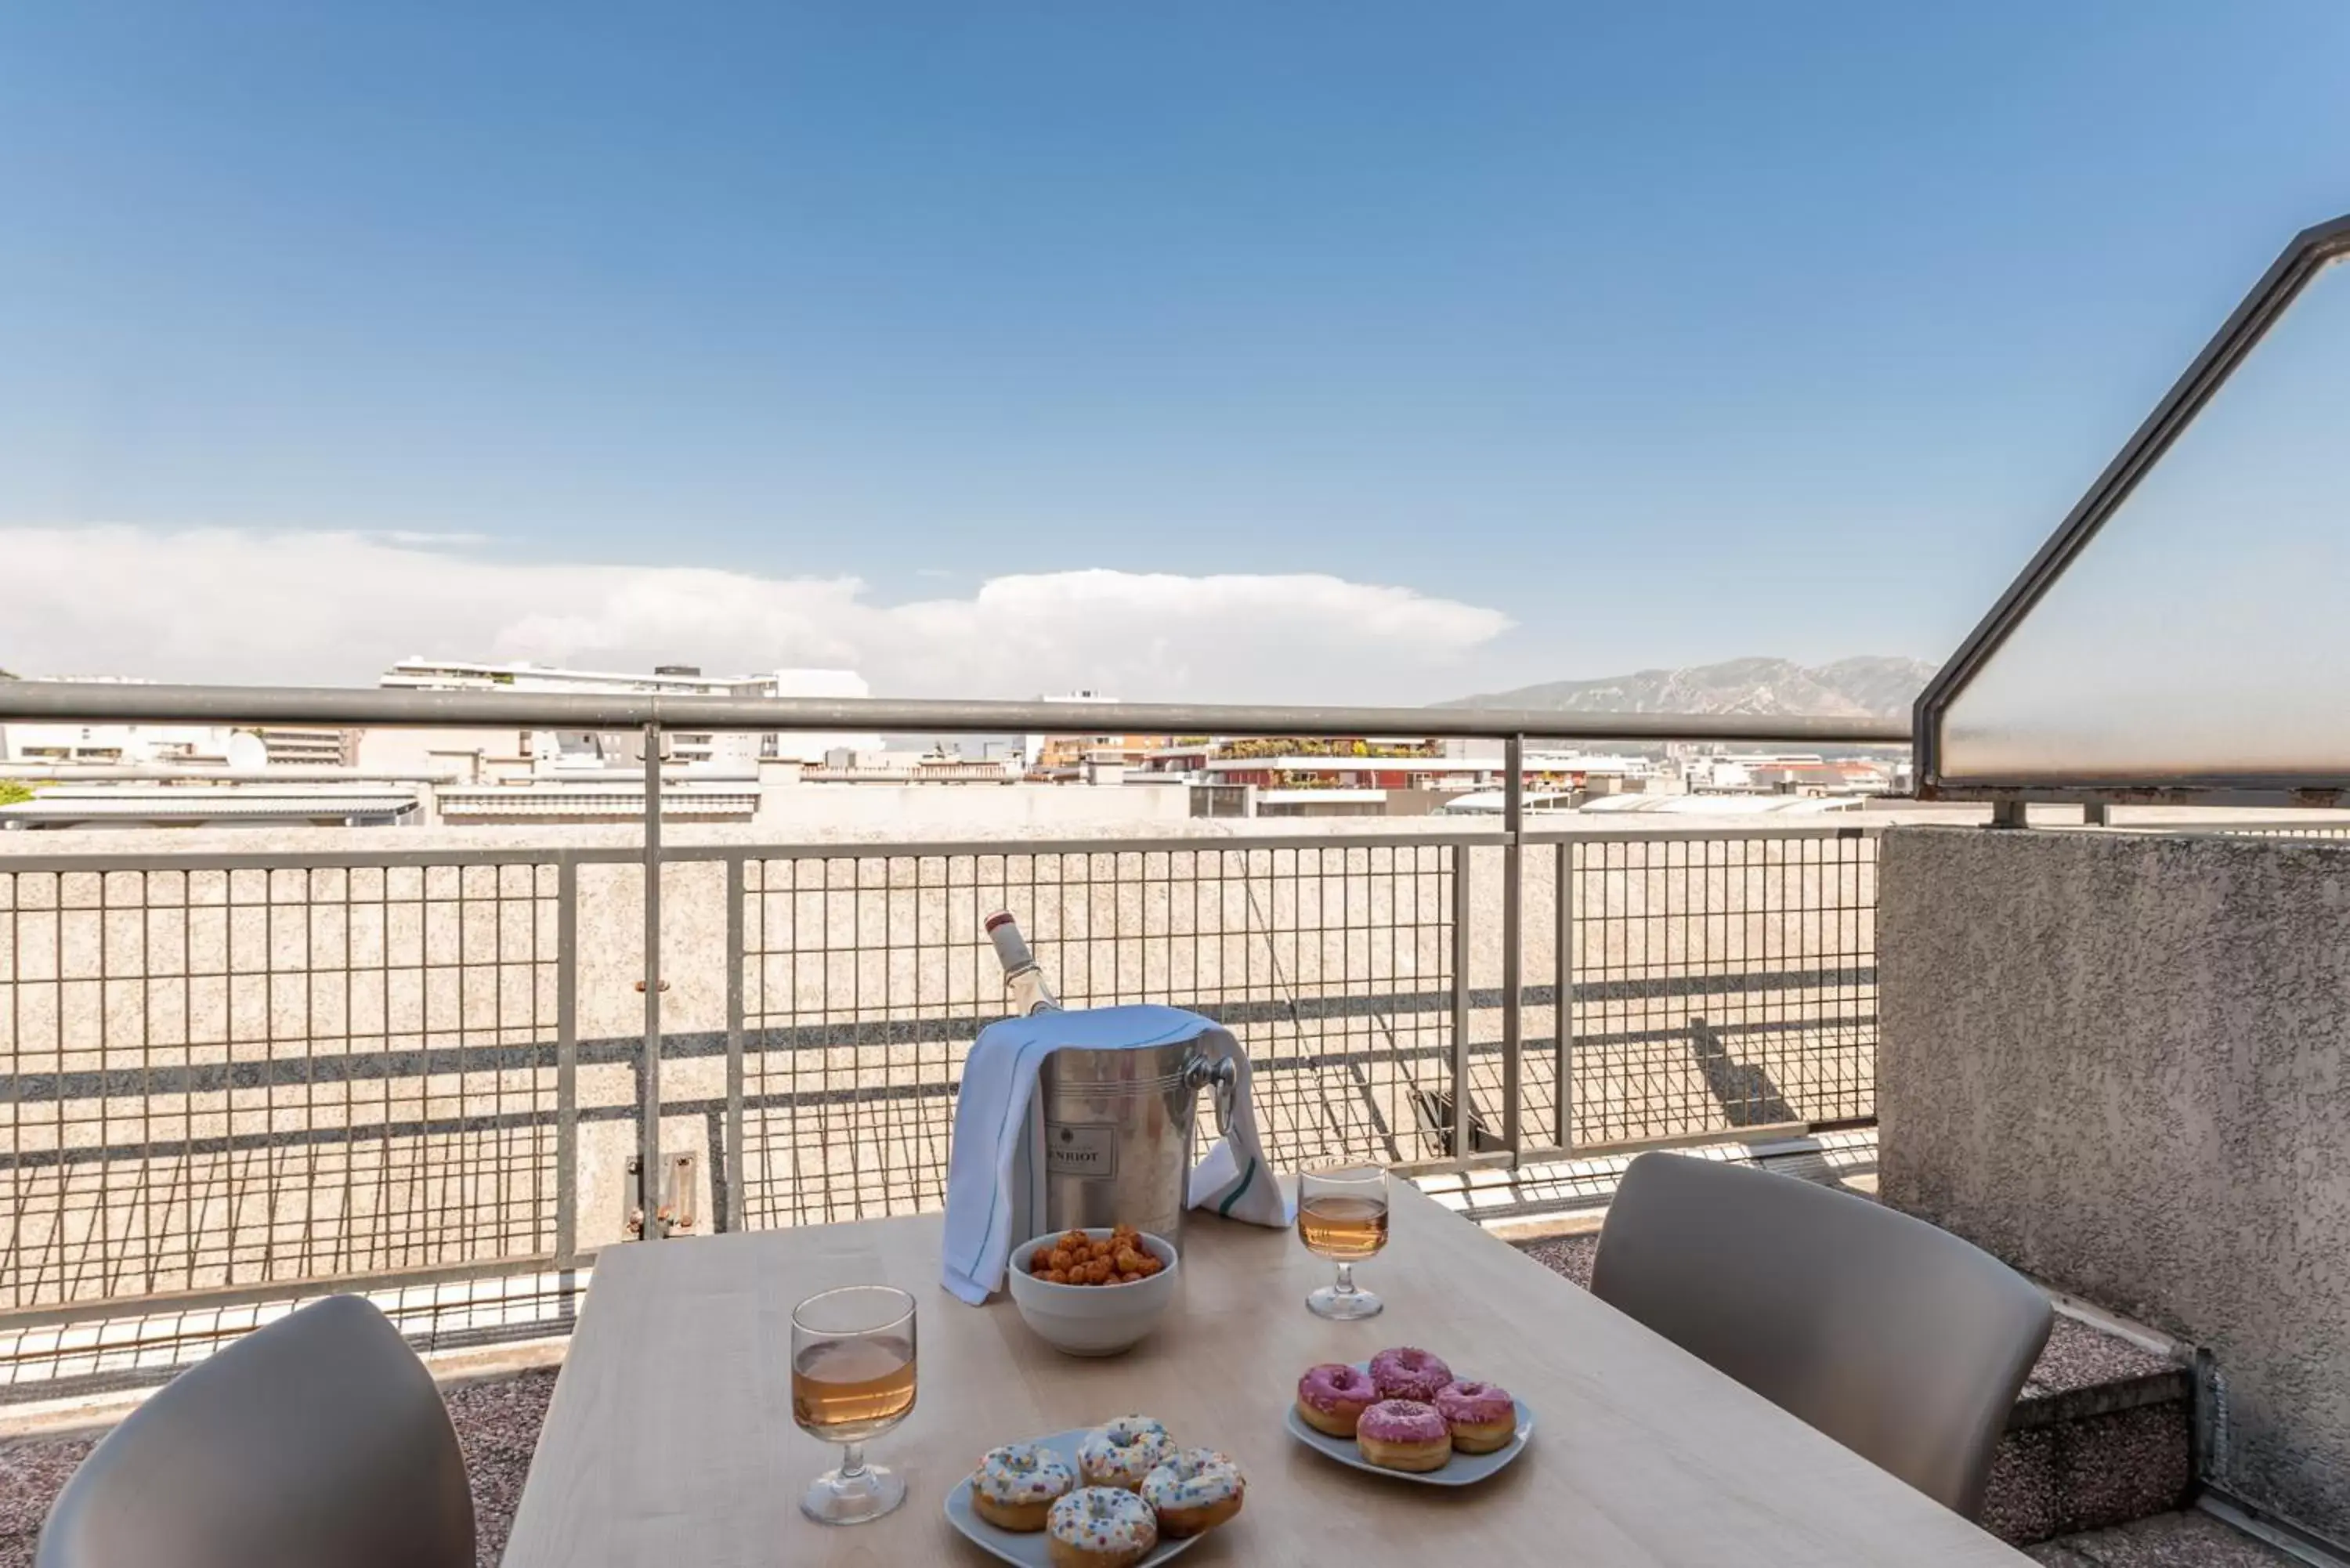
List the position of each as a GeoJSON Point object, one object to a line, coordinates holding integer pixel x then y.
{"type": "Point", "coordinates": [1883, 686]}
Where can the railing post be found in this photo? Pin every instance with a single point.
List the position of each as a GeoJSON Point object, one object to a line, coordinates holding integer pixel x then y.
{"type": "Point", "coordinates": [1563, 987]}
{"type": "Point", "coordinates": [1513, 901]}
{"type": "Point", "coordinates": [648, 1101]}
{"type": "Point", "coordinates": [1461, 906]}
{"type": "Point", "coordinates": [566, 1063]}
{"type": "Point", "coordinates": [734, 1166]}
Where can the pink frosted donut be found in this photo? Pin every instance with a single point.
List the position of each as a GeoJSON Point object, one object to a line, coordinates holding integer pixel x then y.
{"type": "Point", "coordinates": [1475, 1404]}
{"type": "Point", "coordinates": [1404, 1434]}
{"type": "Point", "coordinates": [1335, 1388]}
{"type": "Point", "coordinates": [1402, 1421]}
{"type": "Point", "coordinates": [1408, 1373]}
{"type": "Point", "coordinates": [1330, 1396]}
{"type": "Point", "coordinates": [1480, 1416]}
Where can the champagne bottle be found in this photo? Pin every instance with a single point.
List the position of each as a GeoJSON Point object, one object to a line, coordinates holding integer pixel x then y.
{"type": "Point", "coordinates": [1022, 977]}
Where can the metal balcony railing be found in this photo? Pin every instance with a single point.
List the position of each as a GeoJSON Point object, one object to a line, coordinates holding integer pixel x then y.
{"type": "Point", "coordinates": [233, 1078]}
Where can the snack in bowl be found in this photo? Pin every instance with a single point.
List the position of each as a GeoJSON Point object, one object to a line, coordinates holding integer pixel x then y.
{"type": "Point", "coordinates": [1086, 1318]}
{"type": "Point", "coordinates": [1016, 1486]}
{"type": "Point", "coordinates": [1332, 1397]}
{"type": "Point", "coordinates": [1101, 1527]}
{"type": "Point", "coordinates": [1074, 1258]}
{"type": "Point", "coordinates": [1197, 1489]}
{"type": "Point", "coordinates": [1404, 1434]}
{"type": "Point", "coordinates": [1482, 1416]}
{"type": "Point", "coordinates": [1120, 1453]}
{"type": "Point", "coordinates": [1407, 1372]}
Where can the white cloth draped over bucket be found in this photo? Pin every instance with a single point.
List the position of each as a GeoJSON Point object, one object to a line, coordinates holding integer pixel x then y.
{"type": "Point", "coordinates": [995, 1188]}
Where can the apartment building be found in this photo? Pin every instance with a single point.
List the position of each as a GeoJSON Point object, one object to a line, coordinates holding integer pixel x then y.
{"type": "Point", "coordinates": [556, 752]}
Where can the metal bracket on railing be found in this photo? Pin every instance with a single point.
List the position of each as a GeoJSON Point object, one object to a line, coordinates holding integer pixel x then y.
{"type": "Point", "coordinates": [676, 1209]}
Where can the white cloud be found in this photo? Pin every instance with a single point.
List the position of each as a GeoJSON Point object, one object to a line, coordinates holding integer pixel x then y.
{"type": "Point", "coordinates": [334, 608]}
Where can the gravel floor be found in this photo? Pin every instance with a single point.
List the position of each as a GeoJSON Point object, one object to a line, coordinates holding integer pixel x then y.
{"type": "Point", "coordinates": [1568, 1255]}
{"type": "Point", "coordinates": [31, 1472]}
{"type": "Point", "coordinates": [2166, 1540]}
{"type": "Point", "coordinates": [497, 1424]}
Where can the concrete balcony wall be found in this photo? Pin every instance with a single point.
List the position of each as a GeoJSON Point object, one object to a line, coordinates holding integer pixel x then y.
{"type": "Point", "coordinates": [953, 809]}
{"type": "Point", "coordinates": [2118, 1062]}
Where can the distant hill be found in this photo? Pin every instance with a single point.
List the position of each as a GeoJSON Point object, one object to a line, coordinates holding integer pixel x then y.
{"type": "Point", "coordinates": [1879, 685]}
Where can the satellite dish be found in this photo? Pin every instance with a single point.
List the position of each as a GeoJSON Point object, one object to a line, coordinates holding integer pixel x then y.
{"type": "Point", "coordinates": [245, 751]}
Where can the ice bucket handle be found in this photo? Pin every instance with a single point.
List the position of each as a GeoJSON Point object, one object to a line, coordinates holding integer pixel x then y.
{"type": "Point", "coordinates": [1225, 1077]}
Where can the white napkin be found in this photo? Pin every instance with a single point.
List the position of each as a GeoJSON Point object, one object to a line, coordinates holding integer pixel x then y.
{"type": "Point", "coordinates": [1233, 1178]}
{"type": "Point", "coordinates": [995, 1194]}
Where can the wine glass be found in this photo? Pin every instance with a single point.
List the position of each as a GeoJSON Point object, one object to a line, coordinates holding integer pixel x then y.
{"type": "Point", "coordinates": [852, 1380]}
{"type": "Point", "coordinates": [1342, 1215]}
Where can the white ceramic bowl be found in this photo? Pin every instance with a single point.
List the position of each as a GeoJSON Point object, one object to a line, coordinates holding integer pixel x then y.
{"type": "Point", "coordinates": [1092, 1320]}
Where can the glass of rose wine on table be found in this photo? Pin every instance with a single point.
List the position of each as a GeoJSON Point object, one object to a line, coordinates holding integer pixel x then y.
{"type": "Point", "coordinates": [1342, 1215]}
{"type": "Point", "coordinates": [852, 1380]}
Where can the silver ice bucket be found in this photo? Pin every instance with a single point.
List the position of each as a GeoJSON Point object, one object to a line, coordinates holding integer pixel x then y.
{"type": "Point", "coordinates": [1117, 1134]}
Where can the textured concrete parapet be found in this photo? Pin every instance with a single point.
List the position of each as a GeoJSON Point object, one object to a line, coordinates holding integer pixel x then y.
{"type": "Point", "coordinates": [2117, 1061]}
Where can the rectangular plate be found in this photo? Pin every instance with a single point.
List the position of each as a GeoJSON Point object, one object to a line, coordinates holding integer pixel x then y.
{"type": "Point", "coordinates": [1031, 1548]}
{"type": "Point", "coordinates": [1462, 1470]}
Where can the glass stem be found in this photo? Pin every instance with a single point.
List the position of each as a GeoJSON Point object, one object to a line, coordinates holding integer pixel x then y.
{"type": "Point", "coordinates": [852, 1461]}
{"type": "Point", "coordinates": [1345, 1286]}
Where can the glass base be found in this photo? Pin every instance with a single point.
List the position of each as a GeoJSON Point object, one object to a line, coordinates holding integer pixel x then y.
{"type": "Point", "coordinates": [1344, 1306]}
{"type": "Point", "coordinates": [834, 1498]}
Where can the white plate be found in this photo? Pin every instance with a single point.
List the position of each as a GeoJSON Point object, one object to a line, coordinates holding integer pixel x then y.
{"type": "Point", "coordinates": [1031, 1548]}
{"type": "Point", "coordinates": [1462, 1470]}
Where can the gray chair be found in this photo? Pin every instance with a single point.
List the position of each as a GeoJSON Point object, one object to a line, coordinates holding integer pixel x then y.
{"type": "Point", "coordinates": [316, 1442]}
{"type": "Point", "coordinates": [1900, 1341]}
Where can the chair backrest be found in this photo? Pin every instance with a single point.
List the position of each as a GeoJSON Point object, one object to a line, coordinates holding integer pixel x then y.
{"type": "Point", "coordinates": [1900, 1341]}
{"type": "Point", "coordinates": [318, 1440]}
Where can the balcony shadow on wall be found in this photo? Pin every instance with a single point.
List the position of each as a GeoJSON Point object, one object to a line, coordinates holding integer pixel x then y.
{"type": "Point", "coordinates": [1746, 1093]}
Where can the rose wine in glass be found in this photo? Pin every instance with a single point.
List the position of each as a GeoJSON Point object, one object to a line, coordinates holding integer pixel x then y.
{"type": "Point", "coordinates": [1342, 1215]}
{"type": "Point", "coordinates": [852, 1380]}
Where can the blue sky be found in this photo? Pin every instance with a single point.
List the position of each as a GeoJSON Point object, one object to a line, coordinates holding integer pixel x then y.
{"type": "Point", "coordinates": [1650, 335]}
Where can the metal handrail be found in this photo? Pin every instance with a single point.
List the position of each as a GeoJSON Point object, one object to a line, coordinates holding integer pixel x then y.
{"type": "Point", "coordinates": [1447, 1049]}
{"type": "Point", "coordinates": [82, 702]}
{"type": "Point", "coordinates": [2310, 250]}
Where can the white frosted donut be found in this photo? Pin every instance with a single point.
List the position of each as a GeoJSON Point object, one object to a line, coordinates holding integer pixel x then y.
{"type": "Point", "coordinates": [1023, 1472]}
{"type": "Point", "coordinates": [1104, 1524]}
{"type": "Point", "coordinates": [1124, 1451]}
{"type": "Point", "coordinates": [1197, 1489]}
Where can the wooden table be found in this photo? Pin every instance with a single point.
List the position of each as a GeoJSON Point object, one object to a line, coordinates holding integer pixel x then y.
{"type": "Point", "coordinates": [670, 1443]}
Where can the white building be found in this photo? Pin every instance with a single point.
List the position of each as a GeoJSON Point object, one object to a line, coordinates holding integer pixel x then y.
{"type": "Point", "coordinates": [308, 746]}
{"type": "Point", "coordinates": [214, 804]}
{"type": "Point", "coordinates": [560, 752]}
{"type": "Point", "coordinates": [127, 744]}
{"type": "Point", "coordinates": [102, 744]}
